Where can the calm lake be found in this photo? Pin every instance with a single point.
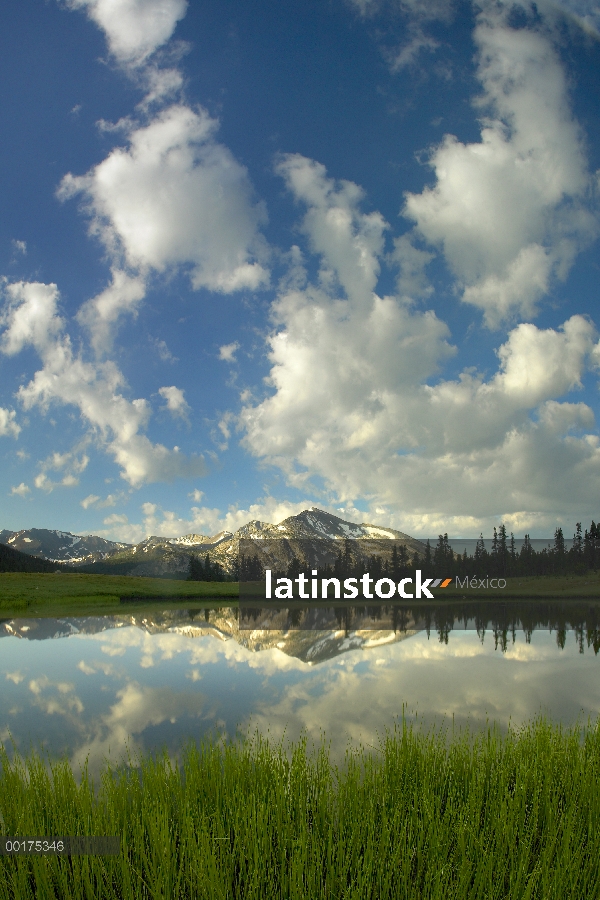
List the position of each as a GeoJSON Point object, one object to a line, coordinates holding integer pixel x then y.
{"type": "Point", "coordinates": [89, 688]}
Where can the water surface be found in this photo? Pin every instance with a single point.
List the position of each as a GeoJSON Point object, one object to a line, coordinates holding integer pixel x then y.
{"type": "Point", "coordinates": [89, 688]}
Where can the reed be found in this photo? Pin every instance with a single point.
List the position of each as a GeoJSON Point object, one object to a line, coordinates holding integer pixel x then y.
{"type": "Point", "coordinates": [424, 816]}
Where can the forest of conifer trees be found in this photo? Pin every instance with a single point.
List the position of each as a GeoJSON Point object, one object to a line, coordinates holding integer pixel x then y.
{"type": "Point", "coordinates": [503, 559]}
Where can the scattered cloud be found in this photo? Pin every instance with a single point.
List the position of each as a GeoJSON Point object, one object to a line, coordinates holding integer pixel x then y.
{"type": "Point", "coordinates": [8, 424]}
{"type": "Point", "coordinates": [176, 402]}
{"type": "Point", "coordinates": [96, 502]}
{"type": "Point", "coordinates": [227, 352]}
{"type": "Point", "coordinates": [83, 667]}
{"type": "Point", "coordinates": [90, 500]}
{"type": "Point", "coordinates": [116, 519]}
{"type": "Point", "coordinates": [162, 85]}
{"type": "Point", "coordinates": [21, 490]}
{"type": "Point", "coordinates": [410, 52]}
{"type": "Point", "coordinates": [202, 520]}
{"type": "Point", "coordinates": [163, 351]}
{"type": "Point", "coordinates": [30, 317]}
{"type": "Point", "coordinates": [586, 12]}
{"type": "Point", "coordinates": [72, 463]}
{"type": "Point", "coordinates": [19, 247]}
{"type": "Point", "coordinates": [196, 495]}
{"type": "Point", "coordinates": [100, 315]}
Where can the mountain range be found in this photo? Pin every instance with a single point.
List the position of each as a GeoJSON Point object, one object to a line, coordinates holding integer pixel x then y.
{"type": "Point", "coordinates": [169, 557]}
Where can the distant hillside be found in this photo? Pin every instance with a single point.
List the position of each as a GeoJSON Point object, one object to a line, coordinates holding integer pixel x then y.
{"type": "Point", "coordinates": [60, 546]}
{"type": "Point", "coordinates": [15, 561]}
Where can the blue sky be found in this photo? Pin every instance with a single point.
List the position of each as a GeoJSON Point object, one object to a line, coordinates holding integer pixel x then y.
{"type": "Point", "coordinates": [263, 256]}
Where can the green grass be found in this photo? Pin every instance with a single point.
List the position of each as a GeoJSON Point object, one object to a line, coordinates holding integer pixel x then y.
{"type": "Point", "coordinates": [74, 593]}
{"type": "Point", "coordinates": [36, 594]}
{"type": "Point", "coordinates": [423, 817]}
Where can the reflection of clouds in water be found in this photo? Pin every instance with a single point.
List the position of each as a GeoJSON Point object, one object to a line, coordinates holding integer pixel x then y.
{"type": "Point", "coordinates": [37, 685]}
{"type": "Point", "coordinates": [52, 705]}
{"type": "Point", "coordinates": [113, 651]}
{"type": "Point", "coordinates": [422, 649]}
{"type": "Point", "coordinates": [463, 682]}
{"type": "Point", "coordinates": [87, 670]}
{"type": "Point", "coordinates": [98, 667]}
{"type": "Point", "coordinates": [350, 698]}
{"type": "Point", "coordinates": [205, 650]}
{"type": "Point", "coordinates": [529, 653]}
{"type": "Point", "coordinates": [137, 708]}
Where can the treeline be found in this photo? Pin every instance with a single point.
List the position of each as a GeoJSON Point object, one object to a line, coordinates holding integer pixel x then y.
{"type": "Point", "coordinates": [503, 560]}
{"type": "Point", "coordinates": [206, 570]}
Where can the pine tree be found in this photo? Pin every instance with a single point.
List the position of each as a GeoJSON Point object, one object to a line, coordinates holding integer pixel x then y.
{"type": "Point", "coordinates": [502, 549]}
{"type": "Point", "coordinates": [196, 569]}
{"type": "Point", "coordinates": [512, 565]}
{"type": "Point", "coordinates": [427, 557]}
{"type": "Point", "coordinates": [558, 551]}
{"type": "Point", "coordinates": [578, 542]}
{"type": "Point", "coordinates": [481, 556]}
{"type": "Point", "coordinates": [527, 558]}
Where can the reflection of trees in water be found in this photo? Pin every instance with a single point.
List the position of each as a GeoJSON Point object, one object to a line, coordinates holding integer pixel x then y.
{"type": "Point", "coordinates": [503, 619]}
{"type": "Point", "coordinates": [400, 619]}
{"type": "Point", "coordinates": [343, 615]}
{"type": "Point", "coordinates": [295, 617]}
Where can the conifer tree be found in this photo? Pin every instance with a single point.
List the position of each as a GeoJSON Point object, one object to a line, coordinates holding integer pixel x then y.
{"type": "Point", "coordinates": [427, 557]}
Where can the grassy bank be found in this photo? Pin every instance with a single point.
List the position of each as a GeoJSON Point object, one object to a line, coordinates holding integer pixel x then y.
{"type": "Point", "coordinates": [42, 594]}
{"type": "Point", "coordinates": [512, 817]}
{"type": "Point", "coordinates": [33, 594]}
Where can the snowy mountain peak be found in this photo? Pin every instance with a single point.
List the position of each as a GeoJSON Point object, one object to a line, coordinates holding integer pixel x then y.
{"type": "Point", "coordinates": [60, 546]}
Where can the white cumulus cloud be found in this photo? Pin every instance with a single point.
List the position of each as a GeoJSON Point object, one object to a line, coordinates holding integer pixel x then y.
{"type": "Point", "coordinates": [356, 400]}
{"type": "Point", "coordinates": [202, 216]}
{"type": "Point", "coordinates": [509, 211]}
{"type": "Point", "coordinates": [134, 29]}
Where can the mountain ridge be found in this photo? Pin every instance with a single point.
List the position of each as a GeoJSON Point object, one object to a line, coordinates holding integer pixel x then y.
{"type": "Point", "coordinates": [164, 557]}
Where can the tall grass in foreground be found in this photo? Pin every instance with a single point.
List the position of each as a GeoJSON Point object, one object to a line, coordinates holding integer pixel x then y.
{"type": "Point", "coordinates": [495, 817]}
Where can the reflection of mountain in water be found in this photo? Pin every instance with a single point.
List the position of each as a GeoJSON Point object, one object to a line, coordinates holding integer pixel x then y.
{"type": "Point", "coordinates": [311, 646]}
{"type": "Point", "coordinates": [318, 633]}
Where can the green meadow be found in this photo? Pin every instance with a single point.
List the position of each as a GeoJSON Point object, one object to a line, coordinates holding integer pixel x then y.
{"type": "Point", "coordinates": [32, 594]}
{"type": "Point", "coordinates": [430, 815]}
{"type": "Point", "coordinates": [47, 594]}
